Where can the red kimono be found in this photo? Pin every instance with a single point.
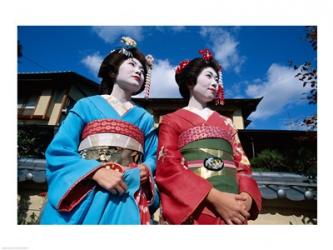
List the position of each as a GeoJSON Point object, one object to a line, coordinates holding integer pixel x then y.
{"type": "Point", "coordinates": [185, 143]}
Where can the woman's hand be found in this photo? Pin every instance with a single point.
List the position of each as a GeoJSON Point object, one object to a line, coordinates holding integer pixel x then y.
{"type": "Point", "coordinates": [144, 173]}
{"type": "Point", "coordinates": [245, 199]}
{"type": "Point", "coordinates": [111, 180]}
{"type": "Point", "coordinates": [230, 209]}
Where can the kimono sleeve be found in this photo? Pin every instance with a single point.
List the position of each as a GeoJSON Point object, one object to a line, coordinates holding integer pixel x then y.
{"type": "Point", "coordinates": [181, 190]}
{"type": "Point", "coordinates": [68, 175]}
{"type": "Point", "coordinates": [150, 146]}
{"type": "Point", "coordinates": [149, 161]}
{"type": "Point", "coordinates": [244, 175]}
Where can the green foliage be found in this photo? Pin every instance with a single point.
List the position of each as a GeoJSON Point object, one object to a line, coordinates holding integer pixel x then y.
{"type": "Point", "coordinates": [301, 160]}
{"type": "Point", "coordinates": [269, 159]}
{"type": "Point", "coordinates": [305, 161]}
{"type": "Point", "coordinates": [311, 36]}
{"type": "Point", "coordinates": [306, 73]}
{"type": "Point", "coordinates": [33, 141]}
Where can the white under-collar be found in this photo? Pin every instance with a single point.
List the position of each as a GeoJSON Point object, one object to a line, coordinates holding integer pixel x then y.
{"type": "Point", "coordinates": [119, 106]}
{"type": "Point", "coordinates": [204, 113]}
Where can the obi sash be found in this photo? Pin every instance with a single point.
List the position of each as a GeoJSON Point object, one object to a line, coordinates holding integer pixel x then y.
{"type": "Point", "coordinates": [203, 146]}
{"type": "Point", "coordinates": [112, 140]}
{"type": "Point", "coordinates": [116, 141]}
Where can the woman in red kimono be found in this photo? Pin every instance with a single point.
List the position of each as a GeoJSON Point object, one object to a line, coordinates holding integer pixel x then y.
{"type": "Point", "coordinates": [203, 174]}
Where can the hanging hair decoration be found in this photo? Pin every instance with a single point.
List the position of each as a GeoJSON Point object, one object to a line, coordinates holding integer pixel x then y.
{"type": "Point", "coordinates": [181, 66]}
{"type": "Point", "coordinates": [150, 61]}
{"type": "Point", "coordinates": [220, 89]}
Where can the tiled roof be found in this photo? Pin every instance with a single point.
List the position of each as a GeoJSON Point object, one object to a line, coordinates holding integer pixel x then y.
{"type": "Point", "coordinates": [31, 170]}
{"type": "Point", "coordinates": [274, 185]}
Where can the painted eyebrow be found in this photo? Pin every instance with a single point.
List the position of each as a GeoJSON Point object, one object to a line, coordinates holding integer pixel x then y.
{"type": "Point", "coordinates": [211, 73]}
{"type": "Point", "coordinates": [135, 63]}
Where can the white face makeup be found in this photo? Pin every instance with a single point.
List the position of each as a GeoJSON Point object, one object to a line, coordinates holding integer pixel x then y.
{"type": "Point", "coordinates": [205, 89]}
{"type": "Point", "coordinates": [130, 75]}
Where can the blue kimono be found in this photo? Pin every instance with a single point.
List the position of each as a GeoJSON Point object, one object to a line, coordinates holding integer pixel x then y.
{"type": "Point", "coordinates": [73, 197]}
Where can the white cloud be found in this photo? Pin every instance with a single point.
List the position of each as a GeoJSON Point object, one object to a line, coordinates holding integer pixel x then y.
{"type": "Point", "coordinates": [280, 90]}
{"type": "Point", "coordinates": [111, 34]}
{"type": "Point", "coordinates": [224, 46]}
{"type": "Point", "coordinates": [93, 62]}
{"type": "Point", "coordinates": [163, 81]}
{"type": "Point", "coordinates": [235, 90]}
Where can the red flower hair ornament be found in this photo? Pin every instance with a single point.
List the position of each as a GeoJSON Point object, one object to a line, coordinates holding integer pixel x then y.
{"type": "Point", "coordinates": [181, 66]}
{"type": "Point", "coordinates": [206, 54]}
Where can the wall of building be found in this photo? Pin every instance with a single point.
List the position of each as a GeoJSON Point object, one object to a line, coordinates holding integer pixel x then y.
{"type": "Point", "coordinates": [238, 119]}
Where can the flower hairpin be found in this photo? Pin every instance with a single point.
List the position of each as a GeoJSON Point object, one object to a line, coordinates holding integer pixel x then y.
{"type": "Point", "coordinates": [129, 43]}
{"type": "Point", "coordinates": [206, 54]}
{"type": "Point", "coordinates": [181, 66]}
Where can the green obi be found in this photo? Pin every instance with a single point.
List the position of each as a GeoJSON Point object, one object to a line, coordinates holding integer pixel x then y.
{"type": "Point", "coordinates": [197, 152]}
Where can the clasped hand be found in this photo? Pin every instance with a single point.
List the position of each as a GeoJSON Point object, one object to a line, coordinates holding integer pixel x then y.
{"type": "Point", "coordinates": [233, 208]}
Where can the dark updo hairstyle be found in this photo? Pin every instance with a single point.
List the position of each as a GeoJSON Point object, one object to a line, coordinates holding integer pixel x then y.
{"type": "Point", "coordinates": [110, 67]}
{"type": "Point", "coordinates": [188, 76]}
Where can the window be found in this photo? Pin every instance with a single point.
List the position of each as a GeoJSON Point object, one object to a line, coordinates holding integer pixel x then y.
{"type": "Point", "coordinates": [27, 101]}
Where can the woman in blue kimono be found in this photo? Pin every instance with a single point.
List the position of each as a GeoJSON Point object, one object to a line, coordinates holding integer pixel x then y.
{"type": "Point", "coordinates": [101, 162]}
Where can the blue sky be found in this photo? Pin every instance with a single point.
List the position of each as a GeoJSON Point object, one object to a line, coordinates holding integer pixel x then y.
{"type": "Point", "coordinates": [254, 58]}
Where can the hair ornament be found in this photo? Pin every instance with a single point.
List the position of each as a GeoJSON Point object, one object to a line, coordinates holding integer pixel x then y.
{"type": "Point", "coordinates": [129, 43]}
{"type": "Point", "coordinates": [206, 54]}
{"type": "Point", "coordinates": [219, 100]}
{"type": "Point", "coordinates": [181, 66]}
{"type": "Point", "coordinates": [150, 61]}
